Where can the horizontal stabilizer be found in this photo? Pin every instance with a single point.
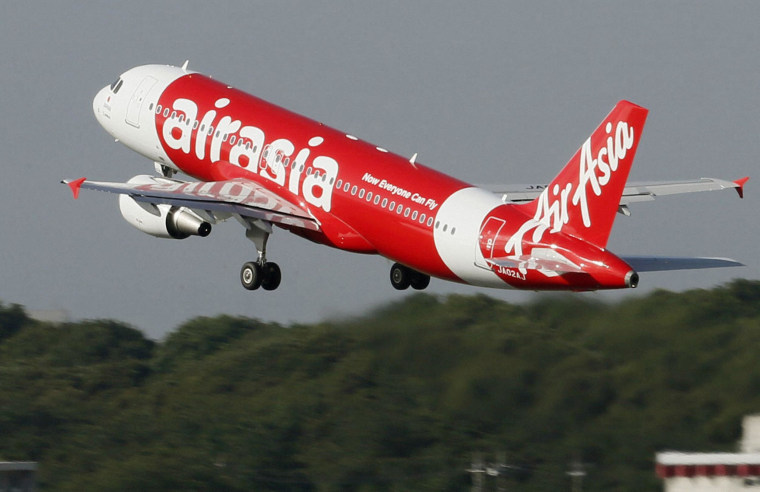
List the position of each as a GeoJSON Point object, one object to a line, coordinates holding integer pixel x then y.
{"type": "Point", "coordinates": [665, 263]}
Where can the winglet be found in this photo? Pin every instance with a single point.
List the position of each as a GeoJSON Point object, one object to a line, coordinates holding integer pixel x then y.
{"type": "Point", "coordinates": [740, 186]}
{"type": "Point", "coordinates": [75, 186]}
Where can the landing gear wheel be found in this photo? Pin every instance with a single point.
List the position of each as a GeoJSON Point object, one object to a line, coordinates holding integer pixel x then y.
{"type": "Point", "coordinates": [400, 277]}
{"type": "Point", "coordinates": [271, 276]}
{"type": "Point", "coordinates": [419, 281]}
{"type": "Point", "coordinates": [251, 275]}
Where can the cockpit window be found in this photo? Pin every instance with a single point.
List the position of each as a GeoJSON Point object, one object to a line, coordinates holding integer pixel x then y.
{"type": "Point", "coordinates": [116, 85]}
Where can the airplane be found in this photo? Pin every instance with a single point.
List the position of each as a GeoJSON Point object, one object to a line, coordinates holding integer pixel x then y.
{"type": "Point", "coordinates": [268, 167]}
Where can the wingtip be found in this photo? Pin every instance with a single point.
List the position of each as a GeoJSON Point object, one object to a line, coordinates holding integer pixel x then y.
{"type": "Point", "coordinates": [75, 186]}
{"type": "Point", "coordinates": [740, 185]}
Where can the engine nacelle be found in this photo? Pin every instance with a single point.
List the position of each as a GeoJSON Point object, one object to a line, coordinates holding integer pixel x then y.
{"type": "Point", "coordinates": [162, 220]}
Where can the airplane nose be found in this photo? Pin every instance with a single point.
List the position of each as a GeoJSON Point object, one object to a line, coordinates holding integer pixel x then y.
{"type": "Point", "coordinates": [101, 105]}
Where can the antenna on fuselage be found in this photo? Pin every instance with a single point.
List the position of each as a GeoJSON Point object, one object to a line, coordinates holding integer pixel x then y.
{"type": "Point", "coordinates": [184, 66]}
{"type": "Point", "coordinates": [413, 160]}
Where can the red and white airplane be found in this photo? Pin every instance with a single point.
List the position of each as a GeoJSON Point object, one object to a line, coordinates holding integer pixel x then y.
{"type": "Point", "coordinates": [266, 166]}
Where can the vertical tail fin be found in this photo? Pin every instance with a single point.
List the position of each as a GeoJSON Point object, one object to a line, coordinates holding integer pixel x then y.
{"type": "Point", "coordinates": [584, 197]}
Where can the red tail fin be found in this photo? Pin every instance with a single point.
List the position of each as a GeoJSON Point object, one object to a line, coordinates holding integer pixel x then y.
{"type": "Point", "coordinates": [584, 197]}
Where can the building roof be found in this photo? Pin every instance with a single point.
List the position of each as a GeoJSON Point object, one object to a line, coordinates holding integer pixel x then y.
{"type": "Point", "coordinates": [672, 458]}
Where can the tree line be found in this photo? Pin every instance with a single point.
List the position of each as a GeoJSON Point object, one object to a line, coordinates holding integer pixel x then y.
{"type": "Point", "coordinates": [400, 398]}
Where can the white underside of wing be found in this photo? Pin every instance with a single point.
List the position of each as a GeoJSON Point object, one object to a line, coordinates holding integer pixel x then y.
{"type": "Point", "coordinates": [236, 197]}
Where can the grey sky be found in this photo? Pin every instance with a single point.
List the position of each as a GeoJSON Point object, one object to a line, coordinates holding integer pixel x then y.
{"type": "Point", "coordinates": [489, 92]}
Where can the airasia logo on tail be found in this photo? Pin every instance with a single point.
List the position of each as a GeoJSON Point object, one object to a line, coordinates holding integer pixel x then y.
{"type": "Point", "coordinates": [615, 150]}
{"type": "Point", "coordinates": [557, 204]}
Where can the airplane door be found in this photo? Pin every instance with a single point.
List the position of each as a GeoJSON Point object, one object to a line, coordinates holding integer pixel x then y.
{"type": "Point", "coordinates": [487, 240]}
{"type": "Point", "coordinates": [135, 104]}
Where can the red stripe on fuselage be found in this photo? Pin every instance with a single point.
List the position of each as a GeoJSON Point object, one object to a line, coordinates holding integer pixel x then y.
{"type": "Point", "coordinates": [283, 151]}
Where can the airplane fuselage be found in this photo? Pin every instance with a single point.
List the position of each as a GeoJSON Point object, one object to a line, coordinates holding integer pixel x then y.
{"type": "Point", "coordinates": [266, 165]}
{"type": "Point", "coordinates": [365, 198]}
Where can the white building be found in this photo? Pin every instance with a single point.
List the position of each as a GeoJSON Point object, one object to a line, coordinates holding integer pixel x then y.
{"type": "Point", "coordinates": [713, 472]}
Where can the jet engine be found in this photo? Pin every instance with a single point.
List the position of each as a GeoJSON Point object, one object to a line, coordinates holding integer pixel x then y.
{"type": "Point", "coordinates": [163, 220]}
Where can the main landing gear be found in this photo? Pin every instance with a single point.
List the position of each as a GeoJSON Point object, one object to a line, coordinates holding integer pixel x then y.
{"type": "Point", "coordinates": [404, 277]}
{"type": "Point", "coordinates": [260, 273]}
{"type": "Point", "coordinates": [254, 275]}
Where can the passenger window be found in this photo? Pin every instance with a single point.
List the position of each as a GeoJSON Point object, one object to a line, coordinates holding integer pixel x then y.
{"type": "Point", "coordinates": [150, 108]}
{"type": "Point", "coordinates": [348, 185]}
{"type": "Point", "coordinates": [422, 219]}
{"type": "Point", "coordinates": [400, 208]}
{"type": "Point", "coordinates": [339, 183]}
{"type": "Point", "coordinates": [158, 109]}
{"type": "Point", "coordinates": [414, 215]}
{"type": "Point", "coordinates": [232, 140]}
{"type": "Point", "coordinates": [195, 125]}
{"type": "Point", "coordinates": [353, 190]}
{"type": "Point", "coordinates": [385, 202]}
{"type": "Point", "coordinates": [406, 212]}
{"type": "Point", "coordinates": [430, 222]}
{"type": "Point", "coordinates": [166, 112]}
{"type": "Point", "coordinates": [361, 193]}
{"type": "Point", "coordinates": [377, 199]}
{"type": "Point", "coordinates": [392, 206]}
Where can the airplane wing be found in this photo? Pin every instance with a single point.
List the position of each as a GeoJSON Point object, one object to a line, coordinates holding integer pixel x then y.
{"type": "Point", "coordinates": [234, 197]}
{"type": "Point", "coordinates": [633, 192]}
